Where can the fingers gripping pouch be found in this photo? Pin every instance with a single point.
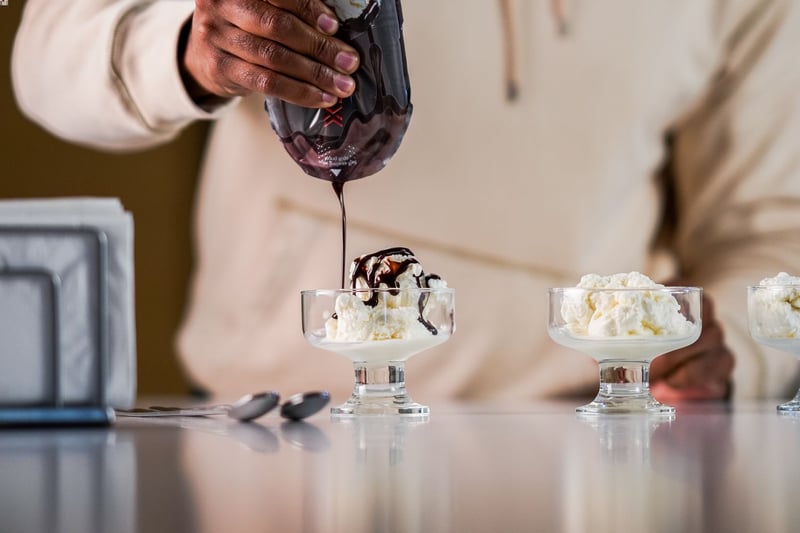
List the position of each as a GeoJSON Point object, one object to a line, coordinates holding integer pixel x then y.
{"type": "Point", "coordinates": [358, 135]}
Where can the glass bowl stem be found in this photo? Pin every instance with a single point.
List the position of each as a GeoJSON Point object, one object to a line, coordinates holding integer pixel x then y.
{"type": "Point", "coordinates": [625, 387]}
{"type": "Point", "coordinates": [378, 389]}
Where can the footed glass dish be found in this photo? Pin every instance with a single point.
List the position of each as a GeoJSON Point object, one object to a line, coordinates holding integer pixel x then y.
{"type": "Point", "coordinates": [624, 356]}
{"type": "Point", "coordinates": [773, 316]}
{"type": "Point", "coordinates": [378, 330]}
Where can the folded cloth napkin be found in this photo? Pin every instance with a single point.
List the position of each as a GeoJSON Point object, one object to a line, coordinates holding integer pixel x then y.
{"type": "Point", "coordinates": [84, 248]}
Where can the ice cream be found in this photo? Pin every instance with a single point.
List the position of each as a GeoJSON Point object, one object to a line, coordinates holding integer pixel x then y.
{"type": "Point", "coordinates": [402, 312]}
{"type": "Point", "coordinates": [392, 311]}
{"type": "Point", "coordinates": [608, 308]}
{"type": "Point", "coordinates": [774, 307]}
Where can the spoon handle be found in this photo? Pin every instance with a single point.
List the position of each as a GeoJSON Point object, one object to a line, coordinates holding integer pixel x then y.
{"type": "Point", "coordinates": [157, 410]}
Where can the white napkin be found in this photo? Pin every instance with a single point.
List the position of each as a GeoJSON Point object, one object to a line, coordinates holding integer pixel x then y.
{"type": "Point", "coordinates": [52, 241]}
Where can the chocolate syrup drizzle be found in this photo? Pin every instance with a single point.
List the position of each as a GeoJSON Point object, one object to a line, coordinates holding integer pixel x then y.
{"type": "Point", "coordinates": [370, 269]}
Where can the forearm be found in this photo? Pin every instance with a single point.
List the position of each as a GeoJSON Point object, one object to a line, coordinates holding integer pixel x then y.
{"type": "Point", "coordinates": [102, 72]}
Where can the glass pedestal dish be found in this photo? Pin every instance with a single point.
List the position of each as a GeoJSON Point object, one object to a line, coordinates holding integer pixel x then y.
{"type": "Point", "coordinates": [773, 316]}
{"type": "Point", "coordinates": [625, 359]}
{"type": "Point", "coordinates": [378, 330]}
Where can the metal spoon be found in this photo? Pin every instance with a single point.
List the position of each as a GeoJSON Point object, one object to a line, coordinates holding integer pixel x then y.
{"type": "Point", "coordinates": [304, 404]}
{"type": "Point", "coordinates": [248, 407]}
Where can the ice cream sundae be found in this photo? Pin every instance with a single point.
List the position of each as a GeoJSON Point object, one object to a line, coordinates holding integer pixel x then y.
{"type": "Point", "coordinates": [403, 313]}
{"type": "Point", "coordinates": [391, 311]}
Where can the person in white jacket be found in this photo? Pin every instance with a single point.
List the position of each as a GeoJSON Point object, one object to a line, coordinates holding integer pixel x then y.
{"type": "Point", "coordinates": [549, 140]}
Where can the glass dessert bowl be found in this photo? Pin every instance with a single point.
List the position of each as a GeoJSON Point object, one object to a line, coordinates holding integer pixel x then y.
{"type": "Point", "coordinates": [378, 329]}
{"type": "Point", "coordinates": [624, 329]}
{"type": "Point", "coordinates": [773, 316]}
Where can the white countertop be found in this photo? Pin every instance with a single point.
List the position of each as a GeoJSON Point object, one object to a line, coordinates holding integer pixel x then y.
{"type": "Point", "coordinates": [477, 467]}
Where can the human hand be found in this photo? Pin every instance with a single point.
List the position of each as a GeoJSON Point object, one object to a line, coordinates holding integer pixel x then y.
{"type": "Point", "coordinates": [700, 371]}
{"type": "Point", "coordinates": [280, 48]}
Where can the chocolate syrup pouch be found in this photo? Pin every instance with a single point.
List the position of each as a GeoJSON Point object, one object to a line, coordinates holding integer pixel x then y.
{"type": "Point", "coordinates": [358, 135]}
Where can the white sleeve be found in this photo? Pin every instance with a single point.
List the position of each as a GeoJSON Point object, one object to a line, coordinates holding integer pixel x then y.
{"type": "Point", "coordinates": [738, 182]}
{"type": "Point", "coordinates": [104, 72]}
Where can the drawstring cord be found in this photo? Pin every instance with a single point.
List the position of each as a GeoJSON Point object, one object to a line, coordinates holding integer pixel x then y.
{"type": "Point", "coordinates": [508, 9]}
{"type": "Point", "coordinates": [510, 64]}
{"type": "Point", "coordinates": [560, 14]}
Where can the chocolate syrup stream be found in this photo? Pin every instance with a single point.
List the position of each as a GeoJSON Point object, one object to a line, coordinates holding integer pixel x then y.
{"type": "Point", "coordinates": [338, 188]}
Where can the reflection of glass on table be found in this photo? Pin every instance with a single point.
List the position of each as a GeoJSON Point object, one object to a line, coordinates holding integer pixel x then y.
{"type": "Point", "coordinates": [380, 476]}
{"type": "Point", "coordinates": [625, 438]}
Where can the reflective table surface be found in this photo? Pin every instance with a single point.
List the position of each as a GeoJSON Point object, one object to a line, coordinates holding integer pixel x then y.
{"type": "Point", "coordinates": [537, 467]}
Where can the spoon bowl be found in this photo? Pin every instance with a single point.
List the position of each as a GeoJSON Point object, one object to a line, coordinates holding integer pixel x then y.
{"type": "Point", "coordinates": [252, 406]}
{"type": "Point", "coordinates": [305, 404]}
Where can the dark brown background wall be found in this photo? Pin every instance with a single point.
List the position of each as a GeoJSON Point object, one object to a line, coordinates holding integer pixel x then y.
{"type": "Point", "coordinates": [156, 186]}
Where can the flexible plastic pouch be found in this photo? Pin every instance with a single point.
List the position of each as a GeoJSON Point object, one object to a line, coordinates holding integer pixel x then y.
{"type": "Point", "coordinates": [358, 135]}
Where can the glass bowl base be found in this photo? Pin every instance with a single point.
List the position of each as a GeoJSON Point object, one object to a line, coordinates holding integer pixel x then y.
{"type": "Point", "coordinates": [645, 404]}
{"type": "Point", "coordinates": [790, 407]}
{"type": "Point", "coordinates": [391, 406]}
